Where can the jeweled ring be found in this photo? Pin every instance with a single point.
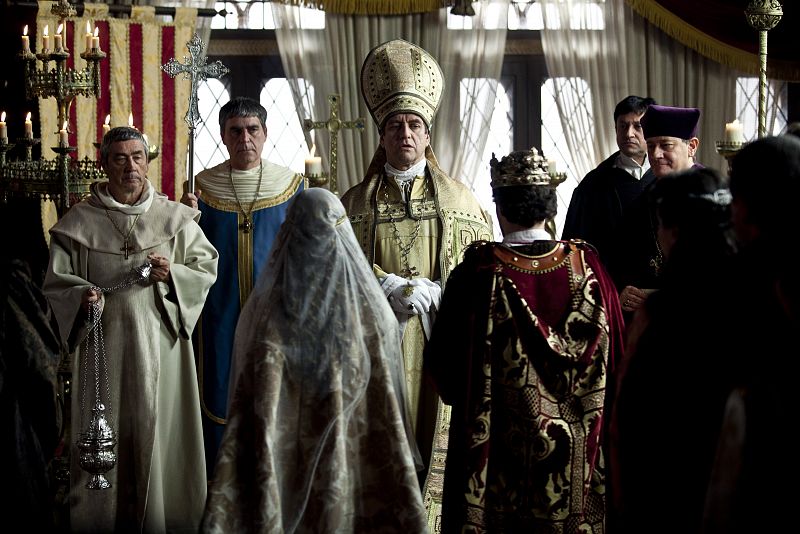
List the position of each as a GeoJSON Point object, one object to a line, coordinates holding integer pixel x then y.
{"type": "Point", "coordinates": [410, 306]}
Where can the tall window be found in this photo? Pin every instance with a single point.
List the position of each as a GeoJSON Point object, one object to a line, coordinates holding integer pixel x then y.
{"type": "Point", "coordinates": [208, 148]}
{"type": "Point", "coordinates": [569, 97]}
{"type": "Point", "coordinates": [286, 144]}
{"type": "Point", "coordinates": [747, 106]}
{"type": "Point", "coordinates": [500, 137]}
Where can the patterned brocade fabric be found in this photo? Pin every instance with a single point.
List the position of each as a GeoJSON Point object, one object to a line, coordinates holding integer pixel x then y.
{"type": "Point", "coordinates": [525, 451]}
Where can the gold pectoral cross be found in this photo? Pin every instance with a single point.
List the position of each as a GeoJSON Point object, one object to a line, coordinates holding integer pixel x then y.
{"type": "Point", "coordinates": [126, 248]}
{"type": "Point", "coordinates": [409, 272]}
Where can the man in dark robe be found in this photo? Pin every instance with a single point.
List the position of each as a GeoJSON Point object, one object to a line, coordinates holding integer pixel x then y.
{"type": "Point", "coordinates": [635, 265]}
{"type": "Point", "coordinates": [601, 199]}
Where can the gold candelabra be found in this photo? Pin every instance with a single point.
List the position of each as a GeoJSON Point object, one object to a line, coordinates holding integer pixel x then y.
{"type": "Point", "coordinates": [63, 177]}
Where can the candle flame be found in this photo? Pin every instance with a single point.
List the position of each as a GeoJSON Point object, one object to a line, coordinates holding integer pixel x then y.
{"type": "Point", "coordinates": [25, 30]}
{"type": "Point", "coordinates": [108, 119]}
{"type": "Point", "coordinates": [3, 117]}
{"type": "Point", "coordinates": [28, 117]}
{"type": "Point", "coordinates": [60, 27]}
{"type": "Point", "coordinates": [313, 149]}
{"type": "Point", "coordinates": [130, 120]}
{"type": "Point", "coordinates": [46, 30]}
{"type": "Point", "coordinates": [96, 31]}
{"type": "Point", "coordinates": [64, 127]}
{"type": "Point", "coordinates": [88, 27]}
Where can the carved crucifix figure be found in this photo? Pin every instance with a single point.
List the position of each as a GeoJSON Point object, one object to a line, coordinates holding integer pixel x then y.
{"type": "Point", "coordinates": [197, 70]}
{"type": "Point", "coordinates": [333, 125]}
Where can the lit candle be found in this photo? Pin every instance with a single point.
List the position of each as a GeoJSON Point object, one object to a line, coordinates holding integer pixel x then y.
{"type": "Point", "coordinates": [63, 139]}
{"type": "Point", "coordinates": [734, 132]}
{"type": "Point", "coordinates": [28, 126]}
{"type": "Point", "coordinates": [313, 163]}
{"type": "Point", "coordinates": [551, 166]}
{"type": "Point", "coordinates": [88, 36]}
{"type": "Point", "coordinates": [3, 129]}
{"type": "Point", "coordinates": [46, 39]}
{"type": "Point", "coordinates": [96, 40]}
{"type": "Point", "coordinates": [26, 41]}
{"type": "Point", "coordinates": [107, 125]}
{"type": "Point", "coordinates": [130, 121]}
{"type": "Point", "coordinates": [59, 47]}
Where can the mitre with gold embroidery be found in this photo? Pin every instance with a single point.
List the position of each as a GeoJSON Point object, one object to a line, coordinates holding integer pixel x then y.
{"type": "Point", "coordinates": [401, 77]}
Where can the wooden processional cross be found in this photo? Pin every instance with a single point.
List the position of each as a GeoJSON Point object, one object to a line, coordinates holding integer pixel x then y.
{"type": "Point", "coordinates": [333, 125]}
{"type": "Point", "coordinates": [197, 70]}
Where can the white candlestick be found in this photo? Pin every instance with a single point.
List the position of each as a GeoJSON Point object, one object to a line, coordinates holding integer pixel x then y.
{"type": "Point", "coordinates": [26, 44]}
{"type": "Point", "coordinates": [59, 47]}
{"type": "Point", "coordinates": [3, 129]}
{"type": "Point", "coordinates": [551, 166]}
{"type": "Point", "coordinates": [88, 36]}
{"type": "Point", "coordinates": [45, 40]}
{"type": "Point", "coordinates": [313, 166]}
{"type": "Point", "coordinates": [28, 127]}
{"type": "Point", "coordinates": [63, 137]}
{"type": "Point", "coordinates": [734, 132]}
{"type": "Point", "coordinates": [107, 125]}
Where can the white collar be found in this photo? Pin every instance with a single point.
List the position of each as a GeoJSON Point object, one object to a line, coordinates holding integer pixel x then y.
{"type": "Point", "coordinates": [110, 203]}
{"type": "Point", "coordinates": [418, 169]}
{"type": "Point", "coordinates": [631, 166]}
{"type": "Point", "coordinates": [523, 237]}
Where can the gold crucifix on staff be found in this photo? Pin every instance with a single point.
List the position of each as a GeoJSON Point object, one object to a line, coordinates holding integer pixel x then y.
{"type": "Point", "coordinates": [333, 125]}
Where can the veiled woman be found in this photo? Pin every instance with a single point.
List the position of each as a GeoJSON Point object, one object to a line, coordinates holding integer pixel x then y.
{"type": "Point", "coordinates": [317, 438]}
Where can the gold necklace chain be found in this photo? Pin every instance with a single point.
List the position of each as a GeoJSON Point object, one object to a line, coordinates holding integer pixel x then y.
{"type": "Point", "coordinates": [406, 248]}
{"type": "Point", "coordinates": [247, 225]}
{"type": "Point", "coordinates": [125, 236]}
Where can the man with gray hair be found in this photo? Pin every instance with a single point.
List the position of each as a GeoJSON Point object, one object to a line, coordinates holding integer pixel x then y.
{"type": "Point", "coordinates": [243, 201]}
{"type": "Point", "coordinates": [143, 332]}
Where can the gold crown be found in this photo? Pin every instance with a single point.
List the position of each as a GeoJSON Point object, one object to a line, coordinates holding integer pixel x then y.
{"type": "Point", "coordinates": [524, 167]}
{"type": "Point", "coordinates": [400, 77]}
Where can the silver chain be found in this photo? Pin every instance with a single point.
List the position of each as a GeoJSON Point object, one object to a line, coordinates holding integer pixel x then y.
{"type": "Point", "coordinates": [405, 193]}
{"type": "Point", "coordinates": [137, 274]}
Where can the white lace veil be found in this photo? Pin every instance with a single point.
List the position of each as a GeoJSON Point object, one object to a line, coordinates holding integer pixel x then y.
{"type": "Point", "coordinates": [319, 306]}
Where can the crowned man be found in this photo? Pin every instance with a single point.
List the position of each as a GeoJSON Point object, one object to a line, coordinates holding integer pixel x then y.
{"type": "Point", "coordinates": [413, 222]}
{"type": "Point", "coordinates": [148, 384]}
{"type": "Point", "coordinates": [522, 349]}
{"type": "Point", "coordinates": [244, 202]}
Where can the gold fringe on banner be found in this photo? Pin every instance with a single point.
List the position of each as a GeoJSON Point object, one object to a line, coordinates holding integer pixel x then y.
{"type": "Point", "coordinates": [708, 46]}
{"type": "Point", "coordinates": [371, 7]}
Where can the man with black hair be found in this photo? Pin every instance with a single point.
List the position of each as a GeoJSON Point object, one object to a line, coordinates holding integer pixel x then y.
{"type": "Point", "coordinates": [522, 350]}
{"type": "Point", "coordinates": [243, 201]}
{"type": "Point", "coordinates": [601, 199]}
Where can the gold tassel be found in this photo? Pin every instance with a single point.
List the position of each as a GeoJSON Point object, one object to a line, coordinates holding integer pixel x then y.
{"type": "Point", "coordinates": [708, 46]}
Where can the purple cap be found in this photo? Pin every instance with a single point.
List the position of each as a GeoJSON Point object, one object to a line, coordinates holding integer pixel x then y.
{"type": "Point", "coordinates": [661, 121]}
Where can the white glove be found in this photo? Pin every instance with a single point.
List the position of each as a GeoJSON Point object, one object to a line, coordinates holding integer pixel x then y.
{"type": "Point", "coordinates": [411, 297]}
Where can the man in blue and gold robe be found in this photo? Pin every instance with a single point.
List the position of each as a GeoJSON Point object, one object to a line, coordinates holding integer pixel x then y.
{"type": "Point", "coordinates": [244, 202]}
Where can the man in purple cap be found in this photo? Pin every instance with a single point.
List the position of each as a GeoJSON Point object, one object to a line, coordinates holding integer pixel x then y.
{"type": "Point", "coordinates": [635, 264]}
{"type": "Point", "coordinates": [671, 137]}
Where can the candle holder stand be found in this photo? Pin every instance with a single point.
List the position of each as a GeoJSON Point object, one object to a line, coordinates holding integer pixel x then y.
{"type": "Point", "coordinates": [63, 179]}
{"type": "Point", "coordinates": [728, 149]}
{"type": "Point", "coordinates": [317, 180]}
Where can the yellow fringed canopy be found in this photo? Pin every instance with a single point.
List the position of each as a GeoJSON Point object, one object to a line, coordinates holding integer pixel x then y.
{"type": "Point", "coordinates": [371, 7]}
{"type": "Point", "coordinates": [730, 56]}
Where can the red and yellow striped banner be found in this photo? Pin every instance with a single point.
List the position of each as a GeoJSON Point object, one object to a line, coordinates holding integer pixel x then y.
{"type": "Point", "coordinates": [132, 83]}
